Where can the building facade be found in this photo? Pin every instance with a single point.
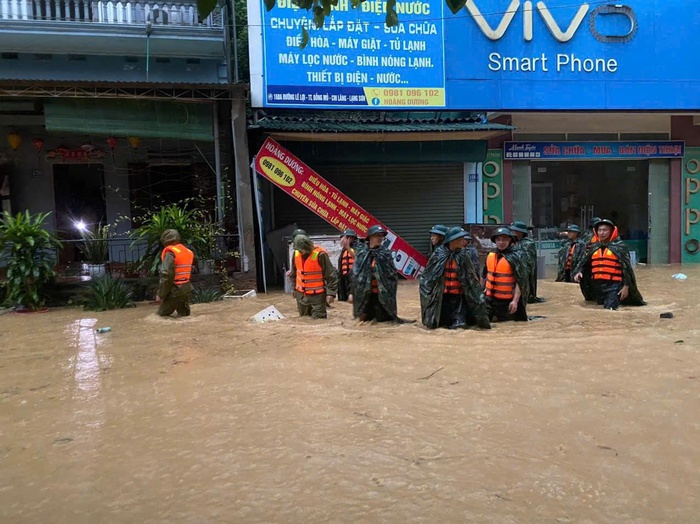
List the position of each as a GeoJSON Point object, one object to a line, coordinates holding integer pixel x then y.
{"type": "Point", "coordinates": [602, 100]}
{"type": "Point", "coordinates": [110, 109]}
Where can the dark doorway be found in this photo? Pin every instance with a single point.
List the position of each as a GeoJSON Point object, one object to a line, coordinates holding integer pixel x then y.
{"type": "Point", "coordinates": [5, 170]}
{"type": "Point", "coordinates": [573, 192]}
{"type": "Point", "coordinates": [80, 199]}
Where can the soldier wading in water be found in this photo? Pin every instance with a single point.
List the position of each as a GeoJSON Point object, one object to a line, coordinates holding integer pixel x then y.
{"type": "Point", "coordinates": [605, 273]}
{"type": "Point", "coordinates": [450, 291]}
{"type": "Point", "coordinates": [374, 280]}
{"type": "Point", "coordinates": [506, 278]}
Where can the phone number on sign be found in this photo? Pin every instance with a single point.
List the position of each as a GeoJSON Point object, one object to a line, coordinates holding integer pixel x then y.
{"type": "Point", "coordinates": [410, 92]}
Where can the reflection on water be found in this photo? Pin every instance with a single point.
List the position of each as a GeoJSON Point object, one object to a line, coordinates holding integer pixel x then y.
{"type": "Point", "coordinates": [85, 367]}
{"type": "Point", "coordinates": [85, 363]}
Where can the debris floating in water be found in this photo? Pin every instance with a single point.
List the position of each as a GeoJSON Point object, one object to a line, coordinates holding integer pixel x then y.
{"type": "Point", "coordinates": [104, 329]}
{"type": "Point", "coordinates": [680, 276]}
{"type": "Point", "coordinates": [666, 315]}
{"type": "Point", "coordinates": [268, 314]}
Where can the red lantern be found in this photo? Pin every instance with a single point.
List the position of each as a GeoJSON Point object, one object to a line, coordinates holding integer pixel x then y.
{"type": "Point", "coordinates": [38, 144]}
{"type": "Point", "coordinates": [112, 142]}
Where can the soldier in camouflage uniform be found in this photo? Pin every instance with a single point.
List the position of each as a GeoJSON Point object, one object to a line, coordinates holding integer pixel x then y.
{"type": "Point", "coordinates": [528, 246]}
{"type": "Point", "coordinates": [345, 262]}
{"type": "Point", "coordinates": [437, 236]}
{"type": "Point", "coordinates": [374, 280]}
{"type": "Point", "coordinates": [175, 289]}
{"type": "Point", "coordinates": [571, 251]}
{"type": "Point", "coordinates": [605, 272]}
{"type": "Point", "coordinates": [314, 277]}
{"type": "Point", "coordinates": [450, 292]}
{"type": "Point", "coordinates": [506, 279]}
{"type": "Point", "coordinates": [587, 237]}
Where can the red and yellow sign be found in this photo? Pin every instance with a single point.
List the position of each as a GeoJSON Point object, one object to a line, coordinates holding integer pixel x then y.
{"type": "Point", "coordinates": [302, 183]}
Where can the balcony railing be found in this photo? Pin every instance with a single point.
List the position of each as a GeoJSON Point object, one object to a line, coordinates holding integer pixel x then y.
{"type": "Point", "coordinates": [109, 12]}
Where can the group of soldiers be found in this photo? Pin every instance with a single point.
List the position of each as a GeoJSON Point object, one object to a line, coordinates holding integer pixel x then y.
{"type": "Point", "coordinates": [454, 293]}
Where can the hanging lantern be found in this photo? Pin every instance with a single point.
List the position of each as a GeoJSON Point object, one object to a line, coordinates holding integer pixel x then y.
{"type": "Point", "coordinates": [134, 141]}
{"type": "Point", "coordinates": [14, 140]}
{"type": "Point", "coordinates": [112, 142]}
{"type": "Point", "coordinates": [38, 144]}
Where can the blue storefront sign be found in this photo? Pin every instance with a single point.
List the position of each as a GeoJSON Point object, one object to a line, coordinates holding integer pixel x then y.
{"type": "Point", "coordinates": [354, 61]}
{"type": "Point", "coordinates": [492, 55]}
{"type": "Point", "coordinates": [592, 150]}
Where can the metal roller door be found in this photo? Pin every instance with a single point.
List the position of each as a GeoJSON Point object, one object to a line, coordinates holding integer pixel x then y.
{"type": "Point", "coordinates": [409, 199]}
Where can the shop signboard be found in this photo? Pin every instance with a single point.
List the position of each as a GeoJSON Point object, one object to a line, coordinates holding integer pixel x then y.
{"type": "Point", "coordinates": [306, 186]}
{"type": "Point", "coordinates": [691, 206]}
{"type": "Point", "coordinates": [550, 250]}
{"type": "Point", "coordinates": [593, 150]}
{"type": "Point", "coordinates": [493, 54]}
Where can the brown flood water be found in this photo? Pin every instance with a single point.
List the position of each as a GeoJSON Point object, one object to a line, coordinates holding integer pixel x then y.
{"type": "Point", "coordinates": [585, 416]}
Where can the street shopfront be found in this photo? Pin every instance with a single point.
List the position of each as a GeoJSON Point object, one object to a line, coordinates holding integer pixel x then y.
{"type": "Point", "coordinates": [561, 183]}
{"type": "Point", "coordinates": [408, 172]}
{"type": "Point", "coordinates": [564, 74]}
{"type": "Point", "coordinates": [90, 163]}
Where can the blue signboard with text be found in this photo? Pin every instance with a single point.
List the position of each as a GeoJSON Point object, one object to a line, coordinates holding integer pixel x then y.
{"type": "Point", "coordinates": [492, 55]}
{"type": "Point", "coordinates": [592, 150]}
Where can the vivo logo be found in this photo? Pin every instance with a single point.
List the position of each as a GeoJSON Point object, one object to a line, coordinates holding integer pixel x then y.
{"type": "Point", "coordinates": [559, 33]}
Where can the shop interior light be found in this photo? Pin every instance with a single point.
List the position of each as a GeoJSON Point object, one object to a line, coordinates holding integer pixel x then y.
{"type": "Point", "coordinates": [81, 226]}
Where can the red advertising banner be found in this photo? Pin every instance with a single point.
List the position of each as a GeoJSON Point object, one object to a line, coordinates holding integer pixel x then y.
{"type": "Point", "coordinates": [303, 184]}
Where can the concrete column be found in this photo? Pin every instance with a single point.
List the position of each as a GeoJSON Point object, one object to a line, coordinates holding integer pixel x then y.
{"type": "Point", "coordinates": [244, 191]}
{"type": "Point", "coordinates": [507, 191]}
{"type": "Point", "coordinates": [675, 196]}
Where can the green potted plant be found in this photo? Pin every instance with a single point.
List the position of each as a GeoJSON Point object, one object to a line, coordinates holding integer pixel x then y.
{"type": "Point", "coordinates": [154, 223]}
{"type": "Point", "coordinates": [106, 293]}
{"type": "Point", "coordinates": [29, 252]}
{"type": "Point", "coordinates": [204, 245]}
{"type": "Point", "coordinates": [95, 249]}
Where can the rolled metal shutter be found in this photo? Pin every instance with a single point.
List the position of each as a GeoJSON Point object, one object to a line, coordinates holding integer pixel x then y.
{"type": "Point", "coordinates": [409, 199]}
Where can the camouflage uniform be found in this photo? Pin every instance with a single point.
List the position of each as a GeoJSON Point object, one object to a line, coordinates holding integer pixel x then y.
{"type": "Point", "coordinates": [174, 297]}
{"type": "Point", "coordinates": [442, 310]}
{"type": "Point", "coordinates": [314, 305]}
{"type": "Point", "coordinates": [567, 275]}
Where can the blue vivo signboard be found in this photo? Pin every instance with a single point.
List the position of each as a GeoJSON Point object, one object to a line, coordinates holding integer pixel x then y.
{"type": "Point", "coordinates": [592, 150]}
{"type": "Point", "coordinates": [492, 55]}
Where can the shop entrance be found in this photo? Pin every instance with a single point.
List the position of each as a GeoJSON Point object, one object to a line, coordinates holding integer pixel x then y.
{"type": "Point", "coordinates": [80, 204]}
{"type": "Point", "coordinates": [633, 194]}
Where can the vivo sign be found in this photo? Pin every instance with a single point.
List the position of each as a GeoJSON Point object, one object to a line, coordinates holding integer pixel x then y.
{"type": "Point", "coordinates": [561, 34]}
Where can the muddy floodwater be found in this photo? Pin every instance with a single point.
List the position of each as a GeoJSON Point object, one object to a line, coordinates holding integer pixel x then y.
{"type": "Point", "coordinates": [583, 416]}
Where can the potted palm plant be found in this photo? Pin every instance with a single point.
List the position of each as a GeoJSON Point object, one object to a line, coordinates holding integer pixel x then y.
{"type": "Point", "coordinates": [95, 249]}
{"type": "Point", "coordinates": [29, 253]}
{"type": "Point", "coordinates": [204, 245]}
{"type": "Point", "coordinates": [174, 216]}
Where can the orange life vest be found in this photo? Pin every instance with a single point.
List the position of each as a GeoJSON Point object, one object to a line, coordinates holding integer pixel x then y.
{"type": "Point", "coordinates": [606, 266]}
{"type": "Point", "coordinates": [500, 279]}
{"type": "Point", "coordinates": [184, 258]}
{"type": "Point", "coordinates": [375, 285]}
{"type": "Point", "coordinates": [452, 285]}
{"type": "Point", "coordinates": [569, 258]}
{"type": "Point", "coordinates": [347, 259]}
{"type": "Point", "coordinates": [309, 273]}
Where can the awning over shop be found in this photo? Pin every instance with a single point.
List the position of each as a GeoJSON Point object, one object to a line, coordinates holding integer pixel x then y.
{"type": "Point", "coordinates": [140, 118]}
{"type": "Point", "coordinates": [406, 152]}
{"type": "Point", "coordinates": [378, 126]}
